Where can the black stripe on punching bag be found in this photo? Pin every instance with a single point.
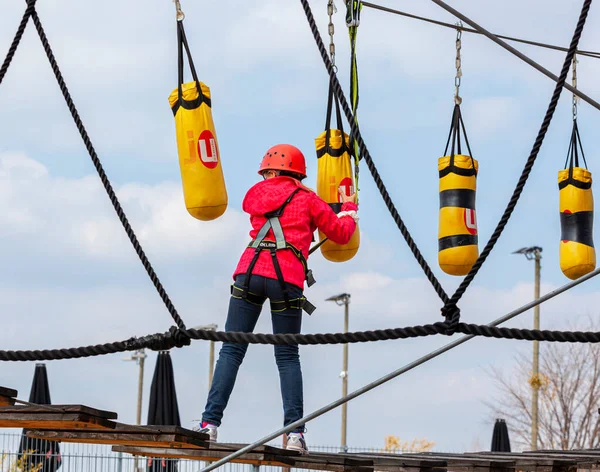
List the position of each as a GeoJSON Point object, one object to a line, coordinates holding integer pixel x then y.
{"type": "Point", "coordinates": [458, 197]}
{"type": "Point", "coordinates": [458, 171]}
{"type": "Point", "coordinates": [575, 183]}
{"type": "Point", "coordinates": [457, 240]}
{"type": "Point", "coordinates": [577, 227]}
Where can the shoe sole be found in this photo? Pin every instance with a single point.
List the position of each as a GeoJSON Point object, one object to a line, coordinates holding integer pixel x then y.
{"type": "Point", "coordinates": [298, 449]}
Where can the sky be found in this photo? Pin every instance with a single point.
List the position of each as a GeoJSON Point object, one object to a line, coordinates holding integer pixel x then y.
{"type": "Point", "coordinates": [71, 277]}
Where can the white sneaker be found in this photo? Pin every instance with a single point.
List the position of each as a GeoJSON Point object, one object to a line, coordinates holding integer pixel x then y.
{"type": "Point", "coordinates": [296, 442]}
{"type": "Point", "coordinates": [207, 428]}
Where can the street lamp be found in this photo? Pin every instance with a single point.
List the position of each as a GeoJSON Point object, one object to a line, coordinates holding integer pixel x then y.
{"type": "Point", "coordinates": [211, 356]}
{"type": "Point", "coordinates": [534, 253]}
{"type": "Point", "coordinates": [139, 356]}
{"type": "Point", "coordinates": [343, 299]}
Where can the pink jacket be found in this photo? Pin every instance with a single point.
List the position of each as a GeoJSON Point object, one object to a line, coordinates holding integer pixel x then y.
{"type": "Point", "coordinates": [301, 218]}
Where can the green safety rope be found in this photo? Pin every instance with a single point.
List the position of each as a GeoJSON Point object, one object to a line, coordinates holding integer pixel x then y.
{"type": "Point", "coordinates": [353, 8]}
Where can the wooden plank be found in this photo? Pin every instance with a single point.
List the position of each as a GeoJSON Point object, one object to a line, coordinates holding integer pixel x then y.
{"type": "Point", "coordinates": [116, 437]}
{"type": "Point", "coordinates": [334, 462]}
{"type": "Point", "coordinates": [7, 396]}
{"type": "Point", "coordinates": [401, 460]}
{"type": "Point", "coordinates": [6, 401]}
{"type": "Point", "coordinates": [265, 448]}
{"type": "Point", "coordinates": [54, 409]}
{"type": "Point", "coordinates": [54, 421]}
{"type": "Point", "coordinates": [8, 392]}
{"type": "Point", "coordinates": [205, 455]}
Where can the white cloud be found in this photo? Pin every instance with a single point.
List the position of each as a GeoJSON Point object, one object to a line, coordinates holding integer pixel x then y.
{"type": "Point", "coordinates": [75, 214]}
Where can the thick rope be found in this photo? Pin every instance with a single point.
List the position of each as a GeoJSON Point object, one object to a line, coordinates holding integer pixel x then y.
{"type": "Point", "coordinates": [364, 152]}
{"type": "Point", "coordinates": [107, 185]}
{"type": "Point", "coordinates": [530, 161]}
{"type": "Point", "coordinates": [15, 43]}
{"type": "Point", "coordinates": [174, 338]}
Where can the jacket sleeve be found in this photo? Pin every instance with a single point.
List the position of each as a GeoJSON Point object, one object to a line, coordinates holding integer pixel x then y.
{"type": "Point", "coordinates": [339, 230]}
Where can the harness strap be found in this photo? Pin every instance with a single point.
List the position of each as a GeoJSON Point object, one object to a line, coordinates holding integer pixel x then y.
{"type": "Point", "coordinates": [259, 244]}
{"type": "Point", "coordinates": [276, 305]}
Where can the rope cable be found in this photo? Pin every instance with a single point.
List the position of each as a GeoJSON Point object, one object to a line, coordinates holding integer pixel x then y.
{"type": "Point", "coordinates": [592, 54]}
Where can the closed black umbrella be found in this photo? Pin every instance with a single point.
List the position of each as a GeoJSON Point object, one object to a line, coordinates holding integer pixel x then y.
{"type": "Point", "coordinates": [500, 440]}
{"type": "Point", "coordinates": [33, 452]}
{"type": "Point", "coordinates": [163, 408]}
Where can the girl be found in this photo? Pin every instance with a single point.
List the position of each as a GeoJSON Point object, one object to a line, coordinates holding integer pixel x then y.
{"type": "Point", "coordinates": [284, 215]}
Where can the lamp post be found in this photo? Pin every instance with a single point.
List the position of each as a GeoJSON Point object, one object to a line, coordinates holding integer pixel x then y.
{"type": "Point", "coordinates": [344, 299]}
{"type": "Point", "coordinates": [139, 356]}
{"type": "Point", "coordinates": [211, 355]}
{"type": "Point", "coordinates": [534, 253]}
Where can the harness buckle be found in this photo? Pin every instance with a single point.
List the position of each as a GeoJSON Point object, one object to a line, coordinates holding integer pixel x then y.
{"type": "Point", "coordinates": [310, 279]}
{"type": "Point", "coordinates": [308, 307]}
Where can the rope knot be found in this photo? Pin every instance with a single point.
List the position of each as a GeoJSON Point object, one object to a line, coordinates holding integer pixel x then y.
{"type": "Point", "coordinates": [452, 314]}
{"type": "Point", "coordinates": [180, 337]}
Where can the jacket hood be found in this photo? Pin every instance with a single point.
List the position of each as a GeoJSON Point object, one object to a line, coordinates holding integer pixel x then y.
{"type": "Point", "coordinates": [270, 194]}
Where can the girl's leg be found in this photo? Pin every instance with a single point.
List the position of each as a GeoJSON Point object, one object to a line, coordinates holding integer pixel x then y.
{"type": "Point", "coordinates": [242, 317]}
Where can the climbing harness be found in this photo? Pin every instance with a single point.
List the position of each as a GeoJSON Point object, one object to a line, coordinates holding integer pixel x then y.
{"type": "Point", "coordinates": [260, 244]}
{"type": "Point", "coordinates": [202, 179]}
{"type": "Point", "coordinates": [576, 205]}
{"type": "Point", "coordinates": [457, 234]}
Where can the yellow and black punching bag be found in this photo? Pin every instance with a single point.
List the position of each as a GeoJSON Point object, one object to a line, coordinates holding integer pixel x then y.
{"type": "Point", "coordinates": [202, 177]}
{"type": "Point", "coordinates": [334, 173]}
{"type": "Point", "coordinates": [577, 253]}
{"type": "Point", "coordinates": [457, 230]}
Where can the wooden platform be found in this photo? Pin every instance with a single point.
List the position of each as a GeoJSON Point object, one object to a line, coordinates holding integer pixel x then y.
{"type": "Point", "coordinates": [538, 461]}
{"type": "Point", "coordinates": [56, 417]}
{"type": "Point", "coordinates": [172, 437]}
{"type": "Point", "coordinates": [82, 424]}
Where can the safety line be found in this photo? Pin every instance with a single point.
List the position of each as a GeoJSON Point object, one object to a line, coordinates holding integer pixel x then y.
{"type": "Point", "coordinates": [592, 54]}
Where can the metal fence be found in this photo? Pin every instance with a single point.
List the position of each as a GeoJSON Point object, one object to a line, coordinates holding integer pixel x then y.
{"type": "Point", "coordinates": [79, 457]}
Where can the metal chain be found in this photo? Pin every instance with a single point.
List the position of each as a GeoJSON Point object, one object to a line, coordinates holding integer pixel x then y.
{"type": "Point", "coordinates": [457, 79]}
{"type": "Point", "coordinates": [331, 9]}
{"type": "Point", "coordinates": [575, 97]}
{"type": "Point", "coordinates": [180, 14]}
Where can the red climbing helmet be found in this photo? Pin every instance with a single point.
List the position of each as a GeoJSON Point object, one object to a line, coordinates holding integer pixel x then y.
{"type": "Point", "coordinates": [284, 157]}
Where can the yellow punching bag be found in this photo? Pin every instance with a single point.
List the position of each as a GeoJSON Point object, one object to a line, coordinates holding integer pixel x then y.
{"type": "Point", "coordinates": [577, 253]}
{"type": "Point", "coordinates": [457, 231]}
{"type": "Point", "coordinates": [202, 177]}
{"type": "Point", "coordinates": [334, 173]}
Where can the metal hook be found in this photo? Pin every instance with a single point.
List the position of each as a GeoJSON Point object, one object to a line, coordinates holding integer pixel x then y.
{"type": "Point", "coordinates": [180, 14]}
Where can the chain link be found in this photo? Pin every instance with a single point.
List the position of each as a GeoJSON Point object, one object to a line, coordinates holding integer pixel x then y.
{"type": "Point", "coordinates": [457, 79]}
{"type": "Point", "coordinates": [575, 97]}
{"type": "Point", "coordinates": [331, 9]}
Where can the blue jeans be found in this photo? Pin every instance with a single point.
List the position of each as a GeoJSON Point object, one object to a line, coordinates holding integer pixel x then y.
{"type": "Point", "coordinates": [242, 317]}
